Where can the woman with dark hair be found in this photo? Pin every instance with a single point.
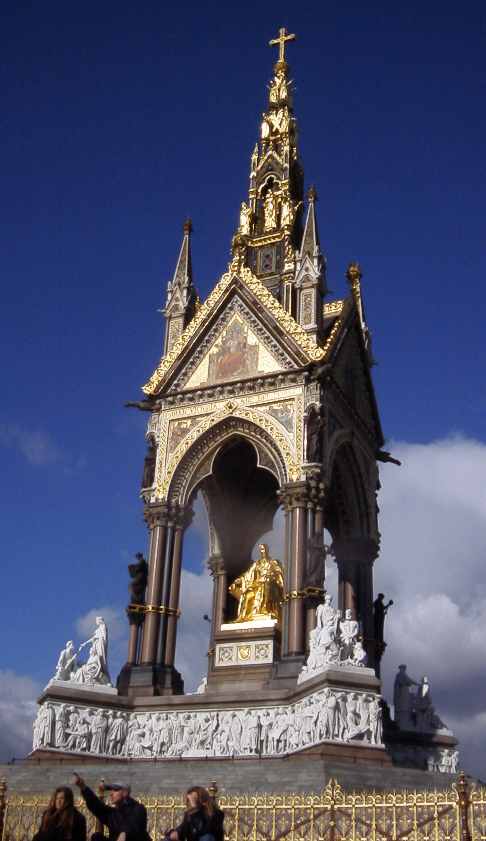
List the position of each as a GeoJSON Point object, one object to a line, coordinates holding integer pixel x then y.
{"type": "Point", "coordinates": [61, 821]}
{"type": "Point", "coordinates": [202, 820]}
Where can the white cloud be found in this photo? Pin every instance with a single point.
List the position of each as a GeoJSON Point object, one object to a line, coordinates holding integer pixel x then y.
{"type": "Point", "coordinates": [193, 631]}
{"type": "Point", "coordinates": [36, 446]}
{"type": "Point", "coordinates": [433, 524]}
{"type": "Point", "coordinates": [18, 707]}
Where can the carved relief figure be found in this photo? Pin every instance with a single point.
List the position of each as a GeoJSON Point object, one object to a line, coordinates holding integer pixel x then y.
{"type": "Point", "coordinates": [259, 590]}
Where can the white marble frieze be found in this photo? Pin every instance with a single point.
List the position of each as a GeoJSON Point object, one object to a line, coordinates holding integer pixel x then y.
{"type": "Point", "coordinates": [327, 715]}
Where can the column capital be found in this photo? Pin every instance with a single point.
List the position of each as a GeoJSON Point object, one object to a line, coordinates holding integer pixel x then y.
{"type": "Point", "coordinates": [358, 549]}
{"type": "Point", "coordinates": [294, 495]}
{"type": "Point", "coordinates": [156, 514]}
{"type": "Point", "coordinates": [308, 492]}
{"type": "Point", "coordinates": [216, 565]}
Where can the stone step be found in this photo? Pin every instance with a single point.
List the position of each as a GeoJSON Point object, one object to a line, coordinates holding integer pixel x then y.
{"type": "Point", "coordinates": [280, 775]}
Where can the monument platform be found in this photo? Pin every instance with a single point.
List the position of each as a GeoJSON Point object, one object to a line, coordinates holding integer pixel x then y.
{"type": "Point", "coordinates": [298, 774]}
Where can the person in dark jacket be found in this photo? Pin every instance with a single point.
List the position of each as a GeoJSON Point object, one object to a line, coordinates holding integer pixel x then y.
{"type": "Point", "coordinates": [202, 820]}
{"type": "Point", "coordinates": [61, 821]}
{"type": "Point", "coordinates": [126, 818]}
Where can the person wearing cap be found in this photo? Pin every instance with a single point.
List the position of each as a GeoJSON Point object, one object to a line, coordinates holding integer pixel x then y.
{"type": "Point", "coordinates": [126, 818]}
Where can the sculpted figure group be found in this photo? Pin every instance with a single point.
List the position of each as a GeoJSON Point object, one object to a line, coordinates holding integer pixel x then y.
{"type": "Point", "coordinates": [95, 669]}
{"type": "Point", "coordinates": [333, 642]}
{"type": "Point", "coordinates": [327, 715]}
{"type": "Point", "coordinates": [414, 710]}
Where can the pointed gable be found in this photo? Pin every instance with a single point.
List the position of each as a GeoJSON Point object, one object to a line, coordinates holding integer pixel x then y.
{"type": "Point", "coordinates": [285, 331]}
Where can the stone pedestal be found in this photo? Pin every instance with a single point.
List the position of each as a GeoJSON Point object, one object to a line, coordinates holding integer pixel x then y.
{"type": "Point", "coordinates": [244, 652]}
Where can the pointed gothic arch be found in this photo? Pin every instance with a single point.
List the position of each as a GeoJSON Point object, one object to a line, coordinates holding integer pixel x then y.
{"type": "Point", "coordinates": [197, 462]}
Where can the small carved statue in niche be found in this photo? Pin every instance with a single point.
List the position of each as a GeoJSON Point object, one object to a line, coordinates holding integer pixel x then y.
{"type": "Point", "coordinates": [149, 466]}
{"type": "Point", "coordinates": [287, 213]}
{"type": "Point", "coordinates": [270, 211]}
{"type": "Point", "coordinates": [315, 427]}
{"type": "Point", "coordinates": [245, 219]}
{"type": "Point", "coordinates": [138, 574]}
{"type": "Point", "coordinates": [259, 590]}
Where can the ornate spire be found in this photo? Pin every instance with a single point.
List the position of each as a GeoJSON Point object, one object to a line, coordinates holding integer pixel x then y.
{"type": "Point", "coordinates": [181, 294]}
{"type": "Point", "coordinates": [270, 221]}
{"type": "Point", "coordinates": [310, 238]}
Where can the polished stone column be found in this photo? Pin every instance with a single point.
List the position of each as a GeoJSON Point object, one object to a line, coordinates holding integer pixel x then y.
{"type": "Point", "coordinates": [135, 620]}
{"type": "Point", "coordinates": [156, 517]}
{"type": "Point", "coordinates": [166, 579]}
{"type": "Point", "coordinates": [286, 564]}
{"type": "Point", "coordinates": [297, 501]}
{"type": "Point", "coordinates": [355, 557]}
{"type": "Point", "coordinates": [174, 592]}
{"type": "Point", "coordinates": [220, 592]}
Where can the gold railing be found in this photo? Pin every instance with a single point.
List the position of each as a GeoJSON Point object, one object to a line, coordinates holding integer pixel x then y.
{"type": "Point", "coordinates": [454, 814]}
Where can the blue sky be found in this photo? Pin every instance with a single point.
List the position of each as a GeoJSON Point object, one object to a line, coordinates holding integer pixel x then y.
{"type": "Point", "coordinates": [118, 121]}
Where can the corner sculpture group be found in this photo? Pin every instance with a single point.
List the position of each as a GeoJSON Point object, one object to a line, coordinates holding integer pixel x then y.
{"type": "Point", "coordinates": [95, 670]}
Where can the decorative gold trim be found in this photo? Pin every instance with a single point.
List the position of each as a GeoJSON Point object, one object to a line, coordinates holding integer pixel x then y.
{"type": "Point", "coordinates": [302, 594]}
{"type": "Point", "coordinates": [136, 608]}
{"type": "Point", "coordinates": [162, 609]}
{"type": "Point", "coordinates": [288, 324]}
{"type": "Point", "coordinates": [333, 307]}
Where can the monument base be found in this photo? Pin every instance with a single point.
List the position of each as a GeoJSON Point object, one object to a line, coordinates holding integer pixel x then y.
{"type": "Point", "coordinates": [148, 681]}
{"type": "Point", "coordinates": [341, 708]}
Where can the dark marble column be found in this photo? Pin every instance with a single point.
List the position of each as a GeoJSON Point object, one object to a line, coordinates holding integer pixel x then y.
{"type": "Point", "coordinates": [297, 499]}
{"type": "Point", "coordinates": [220, 590]}
{"type": "Point", "coordinates": [174, 591]}
{"type": "Point", "coordinates": [355, 558]}
{"type": "Point", "coordinates": [156, 517]}
{"type": "Point", "coordinates": [286, 564]}
{"type": "Point", "coordinates": [135, 621]}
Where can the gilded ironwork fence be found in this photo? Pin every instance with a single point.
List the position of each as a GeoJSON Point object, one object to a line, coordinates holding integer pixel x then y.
{"type": "Point", "coordinates": [454, 814]}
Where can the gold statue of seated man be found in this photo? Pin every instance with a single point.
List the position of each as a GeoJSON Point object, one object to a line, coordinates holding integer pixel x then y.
{"type": "Point", "coordinates": [259, 589]}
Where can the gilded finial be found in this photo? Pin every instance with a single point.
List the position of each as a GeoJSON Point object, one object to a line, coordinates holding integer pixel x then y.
{"type": "Point", "coordinates": [188, 226]}
{"type": "Point", "coordinates": [312, 194]}
{"type": "Point", "coordinates": [354, 273]}
{"type": "Point", "coordinates": [283, 37]}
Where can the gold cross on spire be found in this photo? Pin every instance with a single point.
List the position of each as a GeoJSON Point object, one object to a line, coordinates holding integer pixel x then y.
{"type": "Point", "coordinates": [283, 36]}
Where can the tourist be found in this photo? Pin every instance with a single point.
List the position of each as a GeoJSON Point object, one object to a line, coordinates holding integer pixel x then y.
{"type": "Point", "coordinates": [202, 820]}
{"type": "Point", "coordinates": [126, 818]}
{"type": "Point", "coordinates": [61, 821]}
